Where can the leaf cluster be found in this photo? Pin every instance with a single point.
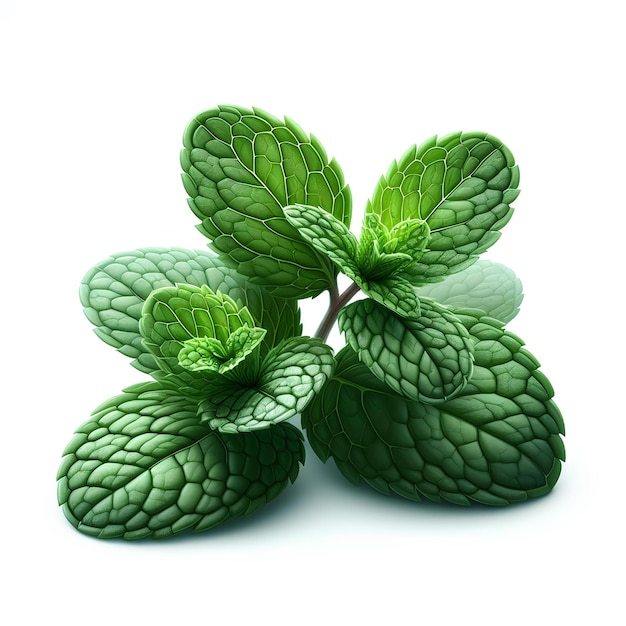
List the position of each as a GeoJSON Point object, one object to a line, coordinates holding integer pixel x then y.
{"type": "Point", "coordinates": [431, 397]}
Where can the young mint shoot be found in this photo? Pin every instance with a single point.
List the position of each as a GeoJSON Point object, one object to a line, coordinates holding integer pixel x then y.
{"type": "Point", "coordinates": [430, 399]}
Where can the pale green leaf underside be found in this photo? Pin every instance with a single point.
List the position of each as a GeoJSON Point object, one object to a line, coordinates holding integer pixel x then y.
{"type": "Point", "coordinates": [462, 185]}
{"type": "Point", "coordinates": [497, 442]}
{"type": "Point", "coordinates": [291, 374]}
{"type": "Point", "coordinates": [241, 168]}
{"type": "Point", "coordinates": [428, 358]}
{"type": "Point", "coordinates": [114, 291]}
{"type": "Point", "coordinates": [490, 287]}
{"type": "Point", "coordinates": [144, 466]}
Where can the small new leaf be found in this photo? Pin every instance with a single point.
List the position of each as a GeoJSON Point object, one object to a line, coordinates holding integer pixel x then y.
{"type": "Point", "coordinates": [210, 354]}
{"type": "Point", "coordinates": [114, 291]}
{"type": "Point", "coordinates": [378, 274]}
{"type": "Point", "coordinates": [409, 236]}
{"type": "Point", "coordinates": [173, 315]}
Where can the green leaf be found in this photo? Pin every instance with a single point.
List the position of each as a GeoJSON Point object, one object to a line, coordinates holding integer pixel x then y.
{"type": "Point", "coordinates": [462, 185]}
{"type": "Point", "coordinates": [395, 293]}
{"type": "Point", "coordinates": [378, 276]}
{"type": "Point", "coordinates": [144, 466]}
{"type": "Point", "coordinates": [490, 287]}
{"type": "Point", "coordinates": [496, 442]}
{"type": "Point", "coordinates": [241, 168]}
{"type": "Point", "coordinates": [291, 374]}
{"type": "Point", "coordinates": [173, 315]}
{"type": "Point", "coordinates": [409, 236]}
{"type": "Point", "coordinates": [114, 291]}
{"type": "Point", "coordinates": [428, 358]}
{"type": "Point", "coordinates": [328, 235]}
{"type": "Point", "coordinates": [208, 354]}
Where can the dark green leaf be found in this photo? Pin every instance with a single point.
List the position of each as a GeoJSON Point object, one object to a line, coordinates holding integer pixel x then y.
{"type": "Point", "coordinates": [496, 442]}
{"type": "Point", "coordinates": [144, 466]}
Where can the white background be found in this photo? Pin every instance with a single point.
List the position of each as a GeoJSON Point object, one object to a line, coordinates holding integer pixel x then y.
{"type": "Point", "coordinates": [94, 100]}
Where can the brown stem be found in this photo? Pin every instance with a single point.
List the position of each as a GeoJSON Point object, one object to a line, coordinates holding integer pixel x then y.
{"type": "Point", "coordinates": [337, 302]}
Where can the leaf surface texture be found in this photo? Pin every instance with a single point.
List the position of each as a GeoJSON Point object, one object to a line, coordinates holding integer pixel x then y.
{"type": "Point", "coordinates": [462, 185]}
{"type": "Point", "coordinates": [114, 291]}
{"type": "Point", "coordinates": [241, 168]}
{"type": "Point", "coordinates": [490, 287]}
{"type": "Point", "coordinates": [497, 442]}
{"type": "Point", "coordinates": [144, 466]}
{"type": "Point", "coordinates": [428, 358]}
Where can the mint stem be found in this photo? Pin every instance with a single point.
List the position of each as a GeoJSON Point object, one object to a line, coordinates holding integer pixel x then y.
{"type": "Point", "coordinates": [337, 302]}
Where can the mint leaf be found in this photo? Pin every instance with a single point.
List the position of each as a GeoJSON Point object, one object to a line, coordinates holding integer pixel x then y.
{"type": "Point", "coordinates": [206, 347]}
{"type": "Point", "coordinates": [325, 233]}
{"type": "Point", "coordinates": [462, 185]}
{"type": "Point", "coordinates": [496, 442]}
{"type": "Point", "coordinates": [395, 293]}
{"type": "Point", "coordinates": [241, 167]}
{"type": "Point", "coordinates": [410, 236]}
{"type": "Point", "coordinates": [113, 293]}
{"type": "Point", "coordinates": [490, 287]}
{"type": "Point", "coordinates": [378, 266]}
{"type": "Point", "coordinates": [376, 273]}
{"type": "Point", "coordinates": [428, 358]}
{"type": "Point", "coordinates": [209, 354]}
{"type": "Point", "coordinates": [144, 466]}
{"type": "Point", "coordinates": [290, 375]}
{"type": "Point", "coordinates": [173, 315]}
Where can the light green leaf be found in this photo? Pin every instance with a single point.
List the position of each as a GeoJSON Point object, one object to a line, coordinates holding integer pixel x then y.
{"type": "Point", "coordinates": [410, 236]}
{"type": "Point", "coordinates": [490, 287]}
{"type": "Point", "coordinates": [173, 315]}
{"type": "Point", "coordinates": [144, 466]}
{"type": "Point", "coordinates": [241, 168]}
{"type": "Point", "coordinates": [462, 185]}
{"type": "Point", "coordinates": [496, 442]}
{"type": "Point", "coordinates": [291, 374]}
{"type": "Point", "coordinates": [212, 355]}
{"type": "Point", "coordinates": [114, 291]}
{"type": "Point", "coordinates": [377, 274]}
{"type": "Point", "coordinates": [428, 358]}
{"type": "Point", "coordinates": [377, 266]}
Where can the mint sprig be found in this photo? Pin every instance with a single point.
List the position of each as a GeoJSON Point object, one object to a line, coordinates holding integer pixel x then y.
{"type": "Point", "coordinates": [431, 397]}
